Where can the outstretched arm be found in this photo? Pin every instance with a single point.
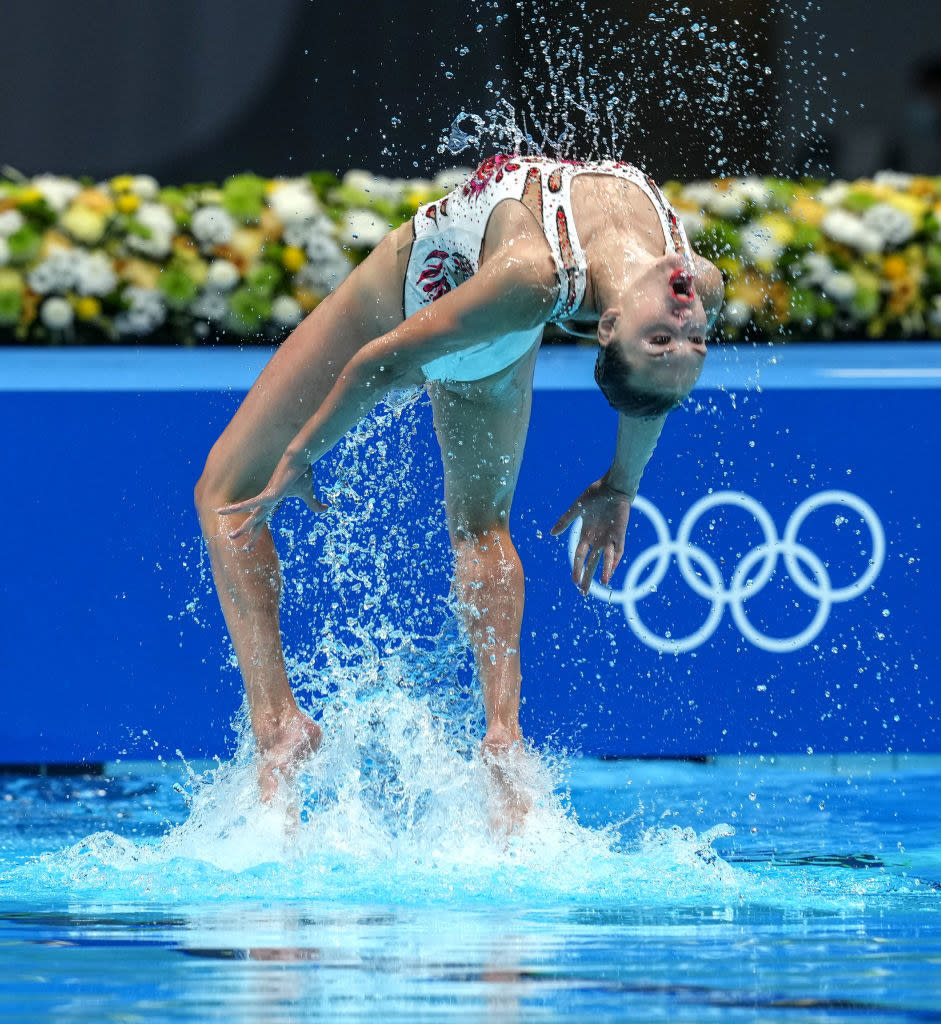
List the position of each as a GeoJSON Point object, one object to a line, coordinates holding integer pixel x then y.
{"type": "Point", "coordinates": [605, 506]}
{"type": "Point", "coordinates": [505, 295]}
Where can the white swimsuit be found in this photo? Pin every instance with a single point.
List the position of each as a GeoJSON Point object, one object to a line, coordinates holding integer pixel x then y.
{"type": "Point", "coordinates": [449, 235]}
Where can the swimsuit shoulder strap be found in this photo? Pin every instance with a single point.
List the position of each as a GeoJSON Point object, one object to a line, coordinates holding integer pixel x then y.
{"type": "Point", "coordinates": [674, 234]}
{"type": "Point", "coordinates": [559, 224]}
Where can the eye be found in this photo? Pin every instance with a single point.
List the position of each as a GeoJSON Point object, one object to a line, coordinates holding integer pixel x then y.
{"type": "Point", "coordinates": [697, 339]}
{"type": "Point", "coordinates": [661, 339]}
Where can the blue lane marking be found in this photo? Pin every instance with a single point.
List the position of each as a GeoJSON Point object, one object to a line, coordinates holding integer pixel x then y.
{"type": "Point", "coordinates": [728, 367]}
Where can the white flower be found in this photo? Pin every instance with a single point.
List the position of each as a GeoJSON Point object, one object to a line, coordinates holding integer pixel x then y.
{"type": "Point", "coordinates": [222, 275]}
{"type": "Point", "coordinates": [699, 192]}
{"type": "Point", "coordinates": [286, 311]}
{"type": "Point", "coordinates": [58, 192]}
{"type": "Point", "coordinates": [159, 222]}
{"type": "Point", "coordinates": [56, 273]}
{"type": "Point", "coordinates": [145, 186]}
{"type": "Point", "coordinates": [893, 224]}
{"type": "Point", "coordinates": [834, 193]}
{"type": "Point", "coordinates": [4, 252]}
{"type": "Point", "coordinates": [56, 313]}
{"type": "Point", "coordinates": [210, 305]}
{"type": "Point", "coordinates": [449, 179]}
{"type": "Point", "coordinates": [840, 286]}
{"type": "Point", "coordinates": [727, 205]}
{"type": "Point", "coordinates": [759, 244]}
{"type": "Point", "coordinates": [362, 229]}
{"type": "Point", "coordinates": [94, 274]}
{"type": "Point", "coordinates": [212, 225]}
{"type": "Point", "coordinates": [390, 189]}
{"type": "Point", "coordinates": [751, 190]}
{"type": "Point", "coordinates": [817, 268]}
{"type": "Point", "coordinates": [736, 312]}
{"type": "Point", "coordinates": [692, 221]}
{"type": "Point", "coordinates": [894, 179]}
{"type": "Point", "coordinates": [309, 233]}
{"type": "Point", "coordinates": [10, 222]}
{"type": "Point", "coordinates": [848, 229]}
{"type": "Point", "coordinates": [323, 277]}
{"type": "Point", "coordinates": [148, 311]}
{"type": "Point", "coordinates": [293, 201]}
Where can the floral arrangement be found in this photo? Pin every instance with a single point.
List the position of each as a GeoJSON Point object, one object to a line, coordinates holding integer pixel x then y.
{"type": "Point", "coordinates": [125, 260]}
{"type": "Point", "coordinates": [128, 261]}
{"type": "Point", "coordinates": [842, 260]}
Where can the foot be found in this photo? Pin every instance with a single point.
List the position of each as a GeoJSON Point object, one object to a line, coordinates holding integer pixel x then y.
{"type": "Point", "coordinates": [282, 752]}
{"type": "Point", "coordinates": [508, 798]}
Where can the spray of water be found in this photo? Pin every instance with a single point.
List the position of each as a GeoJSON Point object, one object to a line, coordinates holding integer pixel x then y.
{"type": "Point", "coordinates": [599, 83]}
{"type": "Point", "coordinates": [395, 801]}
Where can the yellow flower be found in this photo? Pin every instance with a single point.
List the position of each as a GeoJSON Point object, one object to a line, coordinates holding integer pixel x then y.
{"type": "Point", "coordinates": [916, 208]}
{"type": "Point", "coordinates": [95, 200]}
{"type": "Point", "coordinates": [749, 288]}
{"type": "Point", "coordinates": [84, 224]}
{"type": "Point", "coordinates": [922, 187]}
{"type": "Point", "coordinates": [729, 266]}
{"type": "Point", "coordinates": [53, 240]}
{"type": "Point", "coordinates": [122, 183]}
{"type": "Point", "coordinates": [810, 211]}
{"type": "Point", "coordinates": [270, 224]}
{"type": "Point", "coordinates": [306, 299]}
{"type": "Point", "coordinates": [894, 267]}
{"type": "Point", "coordinates": [139, 272]}
{"type": "Point", "coordinates": [29, 195]}
{"type": "Point", "coordinates": [293, 258]}
{"type": "Point", "coordinates": [87, 307]}
{"type": "Point", "coordinates": [903, 296]}
{"type": "Point", "coordinates": [248, 242]}
{"type": "Point", "coordinates": [414, 197]}
{"type": "Point", "coordinates": [127, 202]}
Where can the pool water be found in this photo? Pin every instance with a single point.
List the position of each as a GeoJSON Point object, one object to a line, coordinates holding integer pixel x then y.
{"type": "Point", "coordinates": [163, 892]}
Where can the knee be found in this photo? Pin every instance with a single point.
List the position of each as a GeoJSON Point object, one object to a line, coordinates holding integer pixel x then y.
{"type": "Point", "coordinates": [209, 493]}
{"type": "Point", "coordinates": [487, 556]}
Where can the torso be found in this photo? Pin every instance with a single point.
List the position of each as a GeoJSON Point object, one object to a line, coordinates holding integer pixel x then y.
{"type": "Point", "coordinates": [605, 208]}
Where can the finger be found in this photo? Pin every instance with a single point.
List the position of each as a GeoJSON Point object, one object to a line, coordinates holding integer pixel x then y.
{"type": "Point", "coordinates": [590, 568]}
{"type": "Point", "coordinates": [610, 563]}
{"type": "Point", "coordinates": [565, 521]}
{"type": "Point", "coordinates": [248, 524]}
{"type": "Point", "coordinates": [253, 535]}
{"type": "Point", "coordinates": [240, 506]}
{"type": "Point", "coordinates": [581, 553]}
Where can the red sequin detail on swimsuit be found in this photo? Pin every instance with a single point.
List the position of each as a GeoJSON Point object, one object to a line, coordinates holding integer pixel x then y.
{"type": "Point", "coordinates": [555, 180]}
{"type": "Point", "coordinates": [432, 213]}
{"type": "Point", "coordinates": [568, 259]}
{"type": "Point", "coordinates": [433, 280]}
{"type": "Point", "coordinates": [490, 170]}
{"type": "Point", "coordinates": [532, 193]}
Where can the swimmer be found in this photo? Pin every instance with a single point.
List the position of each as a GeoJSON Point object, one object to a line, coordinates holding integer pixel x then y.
{"type": "Point", "coordinates": [455, 301]}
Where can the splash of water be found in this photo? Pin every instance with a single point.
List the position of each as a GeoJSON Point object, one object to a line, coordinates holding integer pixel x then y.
{"type": "Point", "coordinates": [598, 84]}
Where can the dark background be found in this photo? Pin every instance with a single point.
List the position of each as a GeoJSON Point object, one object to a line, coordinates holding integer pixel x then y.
{"type": "Point", "coordinates": [206, 89]}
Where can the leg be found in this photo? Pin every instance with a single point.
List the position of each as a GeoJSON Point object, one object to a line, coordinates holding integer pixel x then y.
{"type": "Point", "coordinates": [481, 428]}
{"type": "Point", "coordinates": [289, 390]}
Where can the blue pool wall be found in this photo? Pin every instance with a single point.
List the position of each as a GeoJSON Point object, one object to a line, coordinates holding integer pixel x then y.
{"type": "Point", "coordinates": [113, 646]}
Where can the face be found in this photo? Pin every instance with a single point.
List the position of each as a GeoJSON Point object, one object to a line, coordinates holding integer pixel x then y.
{"type": "Point", "coordinates": [660, 327]}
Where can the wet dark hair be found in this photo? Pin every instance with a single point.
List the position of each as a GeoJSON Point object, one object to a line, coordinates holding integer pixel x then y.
{"type": "Point", "coordinates": [613, 374]}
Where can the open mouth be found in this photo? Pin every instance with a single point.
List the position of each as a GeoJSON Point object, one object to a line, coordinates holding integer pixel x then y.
{"type": "Point", "coordinates": [681, 284]}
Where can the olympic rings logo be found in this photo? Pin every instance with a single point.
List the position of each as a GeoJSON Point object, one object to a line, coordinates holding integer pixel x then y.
{"type": "Point", "coordinates": [805, 568]}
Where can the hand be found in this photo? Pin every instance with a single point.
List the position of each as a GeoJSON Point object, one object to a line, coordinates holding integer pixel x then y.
{"type": "Point", "coordinates": [285, 482]}
{"type": "Point", "coordinates": [604, 513]}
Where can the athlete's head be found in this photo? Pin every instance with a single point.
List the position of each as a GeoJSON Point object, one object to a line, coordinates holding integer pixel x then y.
{"type": "Point", "coordinates": [653, 342]}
